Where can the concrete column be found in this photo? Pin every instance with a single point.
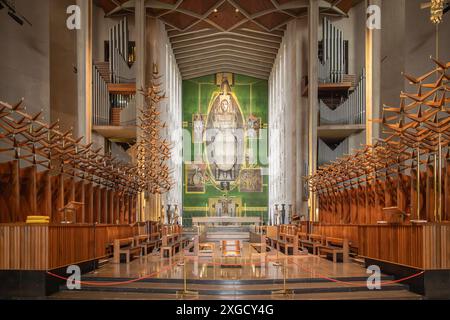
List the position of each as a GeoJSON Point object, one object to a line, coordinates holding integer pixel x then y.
{"type": "Point", "coordinates": [292, 90]}
{"type": "Point", "coordinates": [140, 26]}
{"type": "Point", "coordinates": [373, 82]}
{"type": "Point", "coordinates": [313, 81]}
{"type": "Point", "coordinates": [84, 67]}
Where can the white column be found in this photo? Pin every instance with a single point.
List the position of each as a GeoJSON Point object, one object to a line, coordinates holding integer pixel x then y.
{"type": "Point", "coordinates": [373, 75]}
{"type": "Point", "coordinates": [84, 67]}
{"type": "Point", "coordinates": [313, 27]}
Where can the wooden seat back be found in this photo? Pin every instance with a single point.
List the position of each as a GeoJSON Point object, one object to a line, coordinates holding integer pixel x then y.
{"type": "Point", "coordinates": [123, 242]}
{"type": "Point", "coordinates": [336, 242]}
{"type": "Point", "coordinates": [302, 236]}
{"type": "Point", "coordinates": [317, 238]}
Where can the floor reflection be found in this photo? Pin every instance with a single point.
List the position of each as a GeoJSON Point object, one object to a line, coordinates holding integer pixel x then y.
{"type": "Point", "coordinates": [247, 267]}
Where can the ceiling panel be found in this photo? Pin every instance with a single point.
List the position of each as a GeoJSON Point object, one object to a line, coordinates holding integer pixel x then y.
{"type": "Point", "coordinates": [241, 36]}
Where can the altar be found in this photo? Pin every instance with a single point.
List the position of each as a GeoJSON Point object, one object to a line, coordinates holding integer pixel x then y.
{"type": "Point", "coordinates": [226, 220]}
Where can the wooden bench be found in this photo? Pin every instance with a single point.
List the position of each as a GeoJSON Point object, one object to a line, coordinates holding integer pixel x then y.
{"type": "Point", "coordinates": [335, 247]}
{"type": "Point", "coordinates": [288, 241]}
{"type": "Point", "coordinates": [127, 248]}
{"type": "Point", "coordinates": [312, 241]}
{"type": "Point", "coordinates": [143, 241]}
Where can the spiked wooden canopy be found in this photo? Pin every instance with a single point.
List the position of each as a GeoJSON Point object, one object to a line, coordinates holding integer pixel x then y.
{"type": "Point", "coordinates": [241, 36]}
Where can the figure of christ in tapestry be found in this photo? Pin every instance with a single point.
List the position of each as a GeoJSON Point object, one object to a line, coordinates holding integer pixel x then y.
{"type": "Point", "coordinates": [224, 137]}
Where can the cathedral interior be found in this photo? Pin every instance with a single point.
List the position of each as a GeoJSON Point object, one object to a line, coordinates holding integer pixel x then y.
{"type": "Point", "coordinates": [224, 149]}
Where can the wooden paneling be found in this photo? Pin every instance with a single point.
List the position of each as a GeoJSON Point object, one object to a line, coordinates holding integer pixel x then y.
{"type": "Point", "coordinates": [44, 193]}
{"type": "Point", "coordinates": [104, 205]}
{"type": "Point", "coordinates": [44, 247]}
{"type": "Point", "coordinates": [57, 184]}
{"type": "Point", "coordinates": [420, 246]}
{"type": "Point", "coordinates": [97, 204]}
{"type": "Point", "coordinates": [23, 247]}
{"type": "Point", "coordinates": [9, 191]}
{"type": "Point", "coordinates": [80, 197]}
{"type": "Point", "coordinates": [89, 203]}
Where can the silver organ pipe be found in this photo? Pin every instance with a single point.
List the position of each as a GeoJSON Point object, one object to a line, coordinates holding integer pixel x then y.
{"type": "Point", "coordinates": [120, 72]}
{"type": "Point", "coordinates": [101, 101]}
{"type": "Point", "coordinates": [118, 50]}
{"type": "Point", "coordinates": [332, 68]}
{"type": "Point", "coordinates": [351, 111]}
{"type": "Point", "coordinates": [327, 154]}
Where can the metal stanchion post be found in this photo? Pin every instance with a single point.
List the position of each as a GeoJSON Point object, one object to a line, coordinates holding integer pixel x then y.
{"type": "Point", "coordinates": [185, 291]}
{"type": "Point", "coordinates": [284, 291]}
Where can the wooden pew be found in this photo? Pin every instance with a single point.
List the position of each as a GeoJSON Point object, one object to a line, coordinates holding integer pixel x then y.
{"type": "Point", "coordinates": [288, 241]}
{"type": "Point", "coordinates": [312, 241]}
{"type": "Point", "coordinates": [191, 249]}
{"type": "Point", "coordinates": [142, 241]}
{"type": "Point", "coordinates": [335, 246]}
{"type": "Point", "coordinates": [125, 246]}
{"type": "Point", "coordinates": [172, 243]}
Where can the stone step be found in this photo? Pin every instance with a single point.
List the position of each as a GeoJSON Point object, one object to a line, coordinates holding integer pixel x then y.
{"type": "Point", "coordinates": [250, 289]}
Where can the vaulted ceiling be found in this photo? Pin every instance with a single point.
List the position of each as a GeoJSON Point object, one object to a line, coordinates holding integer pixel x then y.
{"type": "Point", "coordinates": [240, 36]}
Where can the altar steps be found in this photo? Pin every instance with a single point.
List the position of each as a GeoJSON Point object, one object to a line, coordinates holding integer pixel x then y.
{"type": "Point", "coordinates": [350, 288]}
{"type": "Point", "coordinates": [105, 295]}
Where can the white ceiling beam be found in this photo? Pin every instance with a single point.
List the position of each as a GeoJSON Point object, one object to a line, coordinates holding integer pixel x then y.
{"type": "Point", "coordinates": [227, 50]}
{"type": "Point", "coordinates": [228, 54]}
{"type": "Point", "coordinates": [124, 6]}
{"type": "Point", "coordinates": [202, 73]}
{"type": "Point", "coordinates": [276, 33]}
{"type": "Point", "coordinates": [220, 38]}
{"type": "Point", "coordinates": [225, 61]}
{"type": "Point", "coordinates": [225, 66]}
{"type": "Point", "coordinates": [236, 45]}
{"type": "Point", "coordinates": [247, 15]}
{"type": "Point", "coordinates": [175, 33]}
{"type": "Point", "coordinates": [154, 4]}
{"type": "Point", "coordinates": [204, 35]}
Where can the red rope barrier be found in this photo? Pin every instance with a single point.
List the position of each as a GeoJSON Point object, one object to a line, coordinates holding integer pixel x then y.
{"type": "Point", "coordinates": [105, 284]}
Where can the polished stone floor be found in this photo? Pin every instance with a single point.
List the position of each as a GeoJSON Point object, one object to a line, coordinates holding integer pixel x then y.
{"type": "Point", "coordinates": [249, 277]}
{"type": "Point", "coordinates": [249, 266]}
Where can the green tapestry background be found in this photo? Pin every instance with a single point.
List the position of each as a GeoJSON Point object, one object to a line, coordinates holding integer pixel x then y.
{"type": "Point", "coordinates": [252, 95]}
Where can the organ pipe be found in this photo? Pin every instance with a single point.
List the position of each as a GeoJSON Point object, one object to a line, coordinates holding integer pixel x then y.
{"type": "Point", "coordinates": [351, 111]}
{"type": "Point", "coordinates": [332, 68]}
